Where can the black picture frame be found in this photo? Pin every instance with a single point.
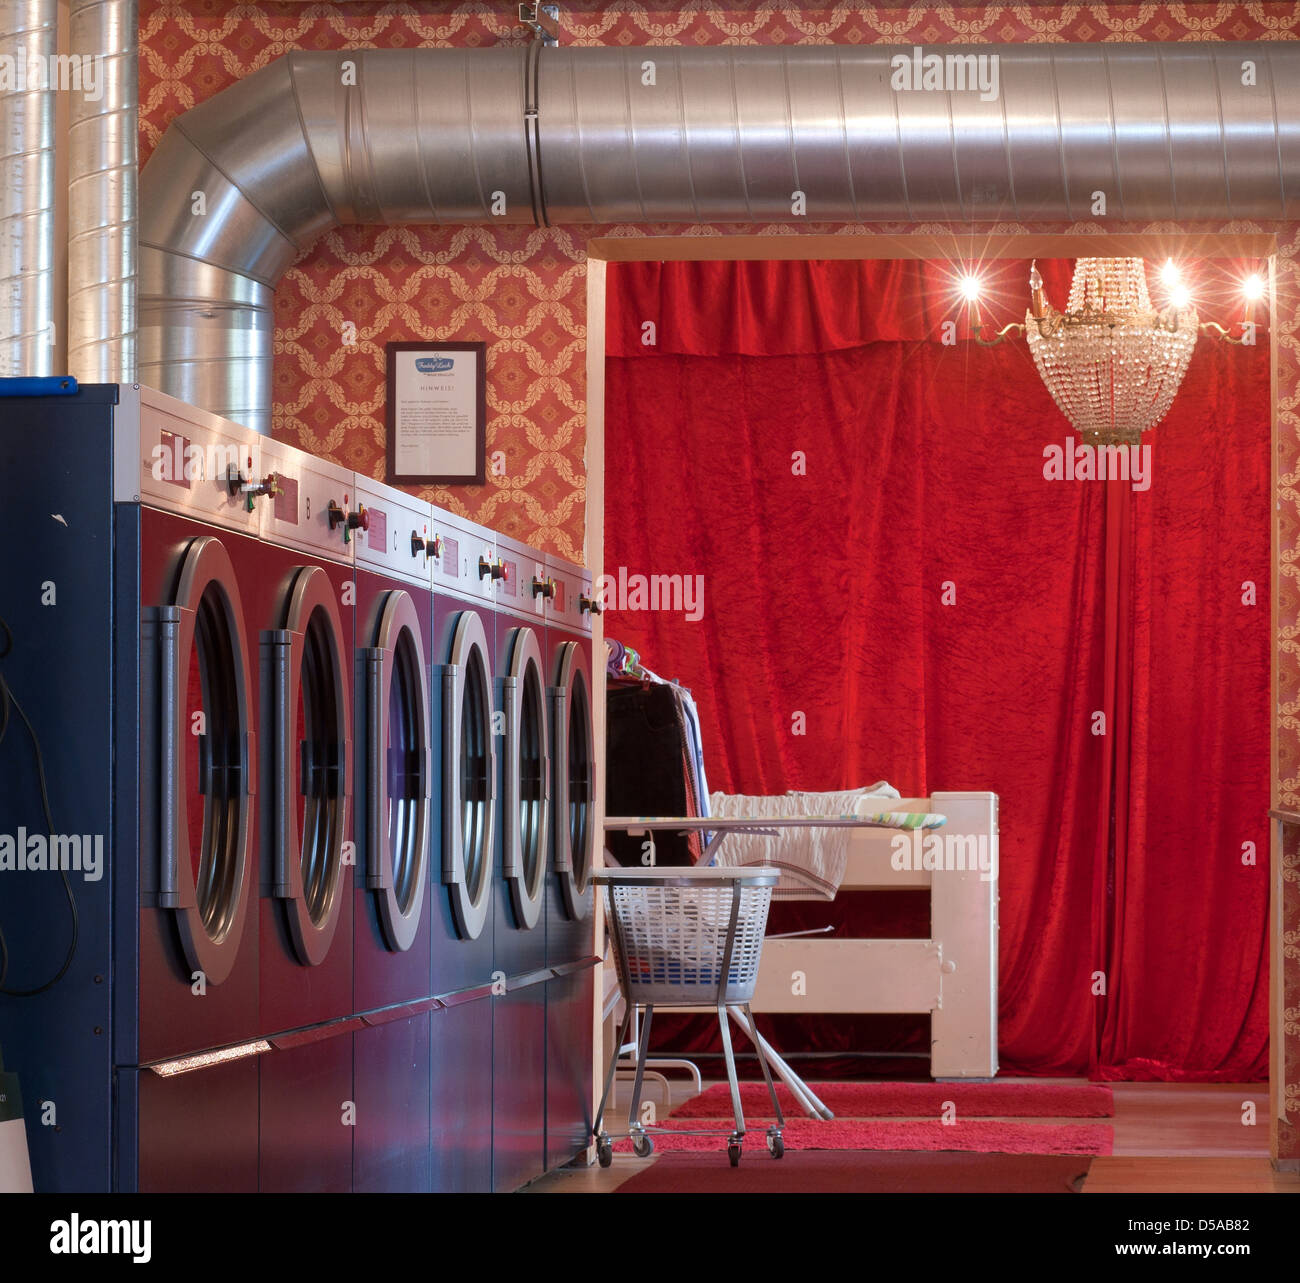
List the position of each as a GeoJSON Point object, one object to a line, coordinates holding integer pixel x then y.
{"type": "Point", "coordinates": [435, 350]}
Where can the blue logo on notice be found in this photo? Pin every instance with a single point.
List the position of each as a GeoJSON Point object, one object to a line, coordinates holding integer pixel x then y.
{"type": "Point", "coordinates": [433, 364]}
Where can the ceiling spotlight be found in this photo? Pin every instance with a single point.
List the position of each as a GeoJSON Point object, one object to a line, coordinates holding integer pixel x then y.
{"type": "Point", "coordinates": [970, 288]}
{"type": "Point", "coordinates": [1169, 273]}
{"type": "Point", "coordinates": [1253, 287]}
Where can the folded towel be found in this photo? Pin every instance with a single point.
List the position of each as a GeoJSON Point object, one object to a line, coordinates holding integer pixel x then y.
{"type": "Point", "coordinates": [810, 860]}
{"type": "Point", "coordinates": [843, 799]}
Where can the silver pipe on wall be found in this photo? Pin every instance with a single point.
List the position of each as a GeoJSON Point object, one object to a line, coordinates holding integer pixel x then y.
{"type": "Point", "coordinates": [29, 40]}
{"type": "Point", "coordinates": [102, 179]}
{"type": "Point", "coordinates": [243, 183]}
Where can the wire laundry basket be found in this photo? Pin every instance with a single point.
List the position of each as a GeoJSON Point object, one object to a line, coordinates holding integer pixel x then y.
{"type": "Point", "coordinates": [686, 937]}
{"type": "Point", "coordinates": [673, 941]}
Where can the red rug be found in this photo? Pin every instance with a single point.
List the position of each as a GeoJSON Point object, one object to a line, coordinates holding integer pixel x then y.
{"type": "Point", "coordinates": [926, 1134]}
{"type": "Point", "coordinates": [1011, 1099]}
{"type": "Point", "coordinates": [808, 1172]}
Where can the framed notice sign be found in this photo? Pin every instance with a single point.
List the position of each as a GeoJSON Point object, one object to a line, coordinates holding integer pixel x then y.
{"type": "Point", "coordinates": [437, 413]}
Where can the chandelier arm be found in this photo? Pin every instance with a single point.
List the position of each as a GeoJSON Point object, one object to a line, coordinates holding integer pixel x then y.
{"type": "Point", "coordinates": [1223, 334]}
{"type": "Point", "coordinates": [1000, 336]}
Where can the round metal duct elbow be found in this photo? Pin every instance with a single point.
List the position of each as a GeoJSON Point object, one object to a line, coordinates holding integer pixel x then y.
{"type": "Point", "coordinates": [243, 184]}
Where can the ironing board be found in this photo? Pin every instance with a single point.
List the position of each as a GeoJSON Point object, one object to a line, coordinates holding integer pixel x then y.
{"type": "Point", "coordinates": [722, 827]}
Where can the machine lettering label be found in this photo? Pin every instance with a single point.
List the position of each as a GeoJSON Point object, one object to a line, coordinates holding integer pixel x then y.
{"type": "Point", "coordinates": [286, 502]}
{"type": "Point", "coordinates": [175, 448]}
{"type": "Point", "coordinates": [378, 529]}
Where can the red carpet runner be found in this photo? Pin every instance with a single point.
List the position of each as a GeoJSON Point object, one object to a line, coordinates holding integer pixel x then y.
{"type": "Point", "coordinates": [1010, 1099]}
{"type": "Point", "coordinates": [980, 1137]}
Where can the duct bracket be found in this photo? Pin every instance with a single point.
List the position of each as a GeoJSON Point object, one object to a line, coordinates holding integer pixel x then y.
{"type": "Point", "coordinates": [544, 19]}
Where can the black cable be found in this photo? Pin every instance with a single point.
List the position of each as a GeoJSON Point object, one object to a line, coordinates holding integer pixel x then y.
{"type": "Point", "coordinates": [6, 701]}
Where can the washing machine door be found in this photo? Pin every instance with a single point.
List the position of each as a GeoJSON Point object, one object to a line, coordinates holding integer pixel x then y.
{"type": "Point", "coordinates": [469, 776]}
{"type": "Point", "coordinates": [572, 738]}
{"type": "Point", "coordinates": [397, 776]}
{"type": "Point", "coordinates": [312, 751]}
{"type": "Point", "coordinates": [526, 804]}
{"type": "Point", "coordinates": [206, 760]}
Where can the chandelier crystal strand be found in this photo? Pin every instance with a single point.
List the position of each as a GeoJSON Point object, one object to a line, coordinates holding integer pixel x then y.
{"type": "Point", "coordinates": [1112, 362]}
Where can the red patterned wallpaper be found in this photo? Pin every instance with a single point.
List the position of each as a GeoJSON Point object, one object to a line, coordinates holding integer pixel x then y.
{"type": "Point", "coordinates": [524, 291]}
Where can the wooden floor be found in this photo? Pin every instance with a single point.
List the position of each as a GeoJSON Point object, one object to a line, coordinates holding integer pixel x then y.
{"type": "Point", "coordinates": [1169, 1138]}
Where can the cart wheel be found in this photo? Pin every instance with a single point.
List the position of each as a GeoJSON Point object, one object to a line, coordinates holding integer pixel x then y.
{"type": "Point", "coordinates": [775, 1145]}
{"type": "Point", "coordinates": [604, 1151]}
{"type": "Point", "coordinates": [733, 1153]}
{"type": "Point", "coordinates": [642, 1145]}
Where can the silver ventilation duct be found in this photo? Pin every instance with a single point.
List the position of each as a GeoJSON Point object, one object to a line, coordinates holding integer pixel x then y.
{"type": "Point", "coordinates": [102, 177]}
{"type": "Point", "coordinates": [242, 184]}
{"type": "Point", "coordinates": [29, 39]}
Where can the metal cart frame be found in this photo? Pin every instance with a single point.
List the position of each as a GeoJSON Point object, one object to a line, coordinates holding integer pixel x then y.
{"type": "Point", "coordinates": [737, 880]}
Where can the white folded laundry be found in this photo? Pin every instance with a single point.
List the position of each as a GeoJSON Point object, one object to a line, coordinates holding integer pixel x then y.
{"type": "Point", "coordinates": [812, 861]}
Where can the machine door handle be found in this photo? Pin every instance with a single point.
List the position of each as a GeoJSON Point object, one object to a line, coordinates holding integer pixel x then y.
{"type": "Point", "coordinates": [375, 660]}
{"type": "Point", "coordinates": [287, 872]}
{"type": "Point", "coordinates": [170, 784]}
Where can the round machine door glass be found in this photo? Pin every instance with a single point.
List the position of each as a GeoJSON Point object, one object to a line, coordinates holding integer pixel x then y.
{"type": "Point", "coordinates": [469, 776]}
{"type": "Point", "coordinates": [398, 770]}
{"type": "Point", "coordinates": [205, 762]}
{"type": "Point", "coordinates": [574, 778]}
{"type": "Point", "coordinates": [312, 750]}
{"type": "Point", "coordinates": [405, 749]}
{"type": "Point", "coordinates": [526, 806]}
{"type": "Point", "coordinates": [580, 781]}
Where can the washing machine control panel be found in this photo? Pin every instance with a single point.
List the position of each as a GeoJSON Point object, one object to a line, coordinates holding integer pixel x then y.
{"type": "Point", "coordinates": [390, 530]}
{"type": "Point", "coordinates": [574, 603]}
{"type": "Point", "coordinates": [194, 463]}
{"type": "Point", "coordinates": [526, 589]}
{"type": "Point", "coordinates": [298, 498]}
{"type": "Point", "coordinates": [468, 563]}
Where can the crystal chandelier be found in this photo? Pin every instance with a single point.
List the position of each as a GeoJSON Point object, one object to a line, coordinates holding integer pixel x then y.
{"type": "Point", "coordinates": [1111, 361]}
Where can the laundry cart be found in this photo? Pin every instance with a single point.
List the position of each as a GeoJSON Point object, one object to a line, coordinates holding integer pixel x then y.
{"type": "Point", "coordinates": [686, 937]}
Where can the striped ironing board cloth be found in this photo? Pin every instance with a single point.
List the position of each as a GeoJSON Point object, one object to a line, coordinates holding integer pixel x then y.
{"type": "Point", "coordinates": [905, 820]}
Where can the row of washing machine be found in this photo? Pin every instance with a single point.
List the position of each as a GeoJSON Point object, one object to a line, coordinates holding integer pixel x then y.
{"type": "Point", "coordinates": [335, 747]}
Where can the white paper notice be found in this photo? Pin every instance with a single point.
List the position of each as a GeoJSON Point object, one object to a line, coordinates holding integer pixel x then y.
{"type": "Point", "coordinates": [436, 416]}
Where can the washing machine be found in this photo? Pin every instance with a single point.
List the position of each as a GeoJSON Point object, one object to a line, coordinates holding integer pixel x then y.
{"type": "Point", "coordinates": [129, 649]}
{"type": "Point", "coordinates": [570, 931]}
{"type": "Point", "coordinates": [398, 846]}
{"type": "Point", "coordinates": [524, 592]}
{"type": "Point", "coordinates": [466, 571]}
{"type": "Point", "coordinates": [302, 600]}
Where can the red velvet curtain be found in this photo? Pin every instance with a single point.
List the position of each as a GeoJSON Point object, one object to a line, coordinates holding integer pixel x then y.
{"type": "Point", "coordinates": [892, 588]}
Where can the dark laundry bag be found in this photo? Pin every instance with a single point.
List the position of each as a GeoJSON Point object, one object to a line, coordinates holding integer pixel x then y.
{"type": "Point", "coordinates": [646, 770]}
